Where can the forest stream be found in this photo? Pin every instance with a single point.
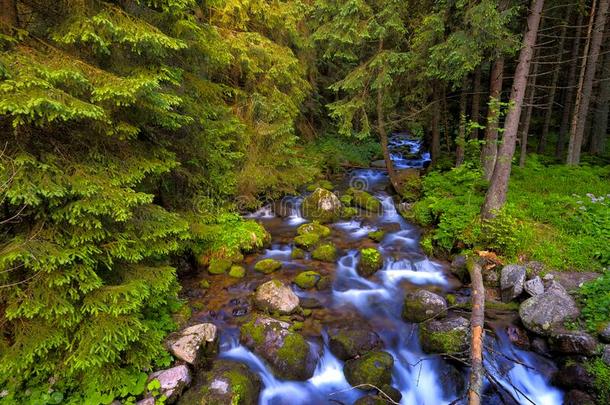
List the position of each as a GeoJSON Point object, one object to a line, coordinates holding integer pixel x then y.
{"type": "Point", "coordinates": [374, 303]}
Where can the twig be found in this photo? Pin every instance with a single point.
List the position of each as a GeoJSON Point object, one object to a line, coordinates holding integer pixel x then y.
{"type": "Point", "coordinates": [380, 391]}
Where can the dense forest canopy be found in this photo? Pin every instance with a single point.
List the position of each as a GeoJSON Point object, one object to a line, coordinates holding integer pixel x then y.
{"type": "Point", "coordinates": [134, 133]}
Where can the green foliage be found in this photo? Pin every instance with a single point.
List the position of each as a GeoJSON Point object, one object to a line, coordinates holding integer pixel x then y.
{"type": "Point", "coordinates": [601, 373]}
{"type": "Point", "coordinates": [595, 299]}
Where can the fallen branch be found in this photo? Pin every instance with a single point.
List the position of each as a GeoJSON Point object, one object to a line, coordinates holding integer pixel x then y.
{"type": "Point", "coordinates": [477, 320]}
{"type": "Point", "coordinates": [383, 394]}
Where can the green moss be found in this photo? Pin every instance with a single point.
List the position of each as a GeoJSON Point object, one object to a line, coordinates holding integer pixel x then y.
{"type": "Point", "coordinates": [237, 271]}
{"type": "Point", "coordinates": [601, 374]}
{"type": "Point", "coordinates": [314, 227]}
{"type": "Point", "coordinates": [373, 368]}
{"type": "Point", "coordinates": [255, 332]}
{"type": "Point", "coordinates": [293, 354]}
{"type": "Point", "coordinates": [449, 342]}
{"type": "Point", "coordinates": [297, 253]}
{"type": "Point", "coordinates": [219, 266]}
{"type": "Point", "coordinates": [326, 253]}
{"type": "Point", "coordinates": [307, 241]}
{"type": "Point", "coordinates": [324, 283]}
{"type": "Point", "coordinates": [267, 266]}
{"type": "Point", "coordinates": [326, 184]}
{"type": "Point", "coordinates": [377, 236]}
{"type": "Point", "coordinates": [307, 279]}
{"type": "Point", "coordinates": [205, 284]}
{"type": "Point", "coordinates": [451, 300]}
{"type": "Point", "coordinates": [346, 199]}
{"type": "Point", "coordinates": [370, 261]}
{"type": "Point", "coordinates": [365, 201]}
{"type": "Point", "coordinates": [349, 212]}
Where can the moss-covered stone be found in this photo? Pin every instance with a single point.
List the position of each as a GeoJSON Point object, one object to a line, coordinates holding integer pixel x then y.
{"type": "Point", "coordinates": [349, 212]}
{"type": "Point", "coordinates": [421, 305]}
{"type": "Point", "coordinates": [324, 283]}
{"type": "Point", "coordinates": [377, 236]}
{"type": "Point", "coordinates": [205, 284]}
{"type": "Point", "coordinates": [449, 336]}
{"type": "Point", "coordinates": [365, 201]}
{"type": "Point", "coordinates": [237, 271]}
{"type": "Point", "coordinates": [307, 279]}
{"type": "Point", "coordinates": [370, 261]}
{"type": "Point", "coordinates": [326, 252]}
{"type": "Point", "coordinates": [322, 205]}
{"type": "Point", "coordinates": [314, 227]}
{"type": "Point", "coordinates": [373, 368]}
{"type": "Point", "coordinates": [267, 266]}
{"type": "Point", "coordinates": [349, 343]}
{"type": "Point", "coordinates": [219, 266]}
{"type": "Point", "coordinates": [297, 253]}
{"type": "Point", "coordinates": [307, 241]}
{"type": "Point", "coordinates": [325, 184]}
{"type": "Point", "coordinates": [346, 199]}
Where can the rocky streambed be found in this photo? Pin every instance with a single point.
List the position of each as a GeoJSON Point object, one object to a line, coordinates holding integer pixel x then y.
{"type": "Point", "coordinates": [343, 307]}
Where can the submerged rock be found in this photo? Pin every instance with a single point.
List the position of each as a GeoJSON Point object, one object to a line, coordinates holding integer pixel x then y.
{"type": "Point", "coordinates": [286, 351]}
{"type": "Point", "coordinates": [373, 368]}
{"type": "Point", "coordinates": [450, 336]}
{"type": "Point", "coordinates": [326, 252]}
{"type": "Point", "coordinates": [194, 343]}
{"type": "Point", "coordinates": [173, 381]}
{"type": "Point", "coordinates": [267, 266]}
{"type": "Point", "coordinates": [548, 311]}
{"type": "Point", "coordinates": [322, 205]}
{"type": "Point", "coordinates": [274, 296]}
{"type": "Point", "coordinates": [228, 382]}
{"type": "Point", "coordinates": [349, 343]}
{"type": "Point", "coordinates": [422, 305]}
{"type": "Point", "coordinates": [376, 236]}
{"type": "Point", "coordinates": [370, 261]}
{"type": "Point", "coordinates": [512, 279]}
{"type": "Point", "coordinates": [307, 279]}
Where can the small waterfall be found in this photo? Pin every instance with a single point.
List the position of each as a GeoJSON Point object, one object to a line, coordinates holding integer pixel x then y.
{"type": "Point", "coordinates": [263, 212]}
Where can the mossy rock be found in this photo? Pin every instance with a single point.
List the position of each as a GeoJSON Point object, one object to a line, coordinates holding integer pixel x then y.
{"type": "Point", "coordinates": [325, 184]}
{"type": "Point", "coordinates": [349, 212]}
{"type": "Point", "coordinates": [314, 227]}
{"type": "Point", "coordinates": [297, 253]}
{"type": "Point", "coordinates": [307, 241]}
{"type": "Point", "coordinates": [219, 266]}
{"type": "Point", "coordinates": [205, 284]}
{"type": "Point", "coordinates": [322, 205]}
{"type": "Point", "coordinates": [227, 382]}
{"type": "Point", "coordinates": [377, 236]}
{"type": "Point", "coordinates": [365, 201]}
{"type": "Point", "coordinates": [326, 253]}
{"type": "Point", "coordinates": [237, 271]}
{"type": "Point", "coordinates": [346, 199]}
{"type": "Point", "coordinates": [448, 336]}
{"type": "Point", "coordinates": [325, 283]}
{"type": "Point", "coordinates": [370, 261]}
{"type": "Point", "coordinates": [421, 305]}
{"type": "Point", "coordinates": [307, 279]}
{"type": "Point", "coordinates": [267, 266]}
{"type": "Point", "coordinates": [349, 343]}
{"type": "Point", "coordinates": [374, 368]}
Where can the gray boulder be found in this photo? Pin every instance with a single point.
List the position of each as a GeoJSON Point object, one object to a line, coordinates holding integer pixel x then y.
{"type": "Point", "coordinates": [604, 335]}
{"type": "Point", "coordinates": [322, 205]}
{"type": "Point", "coordinates": [448, 336]}
{"type": "Point", "coordinates": [274, 296]}
{"type": "Point", "coordinates": [194, 343]}
{"type": "Point", "coordinates": [512, 279]}
{"type": "Point", "coordinates": [547, 312]}
{"type": "Point", "coordinates": [347, 343]}
{"type": "Point", "coordinates": [606, 355]}
{"type": "Point", "coordinates": [173, 381]}
{"type": "Point", "coordinates": [534, 286]}
{"type": "Point", "coordinates": [573, 342]}
{"type": "Point", "coordinates": [422, 305]}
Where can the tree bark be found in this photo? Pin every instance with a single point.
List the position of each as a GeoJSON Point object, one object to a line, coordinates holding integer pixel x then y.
{"type": "Point", "coordinates": [8, 13]}
{"type": "Point", "coordinates": [476, 102]}
{"type": "Point", "coordinates": [553, 90]}
{"type": "Point", "coordinates": [477, 333]}
{"type": "Point", "coordinates": [528, 114]}
{"type": "Point", "coordinates": [600, 120]}
{"type": "Point", "coordinates": [496, 194]}
{"type": "Point", "coordinates": [461, 138]}
{"type": "Point", "coordinates": [446, 129]}
{"type": "Point", "coordinates": [490, 146]}
{"type": "Point", "coordinates": [569, 94]}
{"type": "Point", "coordinates": [435, 149]}
{"type": "Point", "coordinates": [583, 98]}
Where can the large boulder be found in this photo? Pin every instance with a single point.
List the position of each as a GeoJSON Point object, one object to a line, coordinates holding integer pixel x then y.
{"type": "Point", "coordinates": [349, 343]}
{"type": "Point", "coordinates": [226, 383]}
{"type": "Point", "coordinates": [370, 261]}
{"type": "Point", "coordinates": [374, 368]}
{"type": "Point", "coordinates": [512, 279]}
{"type": "Point", "coordinates": [573, 280]}
{"type": "Point", "coordinates": [287, 352]}
{"type": "Point", "coordinates": [448, 336]}
{"type": "Point", "coordinates": [274, 296]}
{"type": "Point", "coordinates": [547, 312]}
{"type": "Point", "coordinates": [422, 305]}
{"type": "Point", "coordinates": [172, 381]}
{"type": "Point", "coordinates": [195, 343]}
{"type": "Point", "coordinates": [574, 375]}
{"type": "Point", "coordinates": [322, 205]}
{"type": "Point", "coordinates": [306, 241]}
{"type": "Point", "coordinates": [573, 342]}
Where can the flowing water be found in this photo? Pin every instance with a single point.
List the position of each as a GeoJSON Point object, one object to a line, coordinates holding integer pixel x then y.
{"type": "Point", "coordinates": [421, 378]}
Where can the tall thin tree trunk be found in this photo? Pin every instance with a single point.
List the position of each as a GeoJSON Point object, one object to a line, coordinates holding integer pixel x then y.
{"type": "Point", "coordinates": [461, 137]}
{"type": "Point", "coordinates": [496, 194]}
{"type": "Point", "coordinates": [569, 94]}
{"type": "Point", "coordinates": [581, 108]}
{"type": "Point", "coordinates": [435, 149]}
{"type": "Point", "coordinates": [477, 333]}
{"type": "Point", "coordinates": [476, 102]}
{"type": "Point", "coordinates": [490, 146]}
{"type": "Point", "coordinates": [8, 13]}
{"type": "Point", "coordinates": [446, 128]}
{"type": "Point", "coordinates": [383, 136]}
{"type": "Point", "coordinates": [528, 114]}
{"type": "Point", "coordinates": [553, 90]}
{"type": "Point", "coordinates": [600, 119]}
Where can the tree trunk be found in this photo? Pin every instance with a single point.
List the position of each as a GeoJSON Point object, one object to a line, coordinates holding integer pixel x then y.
{"type": "Point", "coordinates": [528, 114]}
{"type": "Point", "coordinates": [435, 149]}
{"type": "Point", "coordinates": [490, 146]}
{"type": "Point", "coordinates": [569, 95]}
{"type": "Point", "coordinates": [477, 332]}
{"type": "Point", "coordinates": [461, 138]}
{"type": "Point", "coordinates": [496, 194]}
{"type": "Point", "coordinates": [446, 128]}
{"type": "Point", "coordinates": [583, 98]}
{"type": "Point", "coordinates": [8, 13]}
{"type": "Point", "coordinates": [553, 90]}
{"type": "Point", "coordinates": [476, 102]}
{"type": "Point", "coordinates": [600, 120]}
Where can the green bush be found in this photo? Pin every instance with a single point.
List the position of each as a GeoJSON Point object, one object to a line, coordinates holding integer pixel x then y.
{"type": "Point", "coordinates": [595, 299]}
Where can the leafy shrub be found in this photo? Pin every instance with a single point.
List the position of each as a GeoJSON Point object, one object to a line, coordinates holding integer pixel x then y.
{"type": "Point", "coordinates": [595, 298]}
